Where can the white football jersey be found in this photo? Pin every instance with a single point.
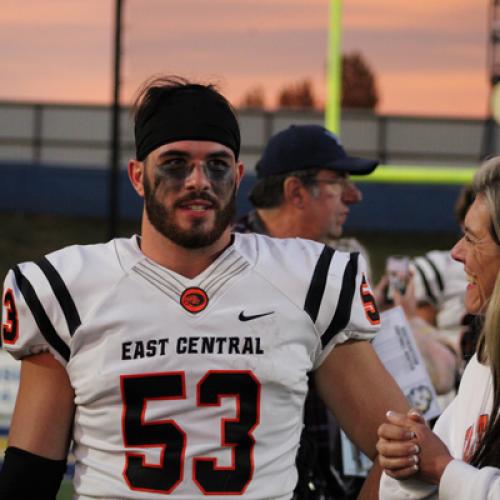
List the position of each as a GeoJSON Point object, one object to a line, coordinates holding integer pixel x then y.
{"type": "Point", "coordinates": [188, 387]}
{"type": "Point", "coordinates": [441, 281]}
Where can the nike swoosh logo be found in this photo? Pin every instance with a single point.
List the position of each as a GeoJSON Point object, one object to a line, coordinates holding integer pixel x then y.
{"type": "Point", "coordinates": [242, 316]}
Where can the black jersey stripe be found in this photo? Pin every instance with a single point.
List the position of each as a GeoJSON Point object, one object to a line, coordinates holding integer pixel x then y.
{"type": "Point", "coordinates": [318, 283]}
{"type": "Point", "coordinates": [344, 304]}
{"type": "Point", "coordinates": [62, 294]}
{"type": "Point", "coordinates": [439, 279]}
{"type": "Point", "coordinates": [427, 287]}
{"type": "Point", "coordinates": [42, 320]}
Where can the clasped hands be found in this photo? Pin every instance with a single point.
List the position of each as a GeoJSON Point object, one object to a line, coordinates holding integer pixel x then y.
{"type": "Point", "coordinates": [407, 447]}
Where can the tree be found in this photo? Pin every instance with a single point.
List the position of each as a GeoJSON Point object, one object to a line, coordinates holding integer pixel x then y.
{"type": "Point", "coordinates": [254, 98]}
{"type": "Point", "coordinates": [298, 95]}
{"type": "Point", "coordinates": [359, 89]}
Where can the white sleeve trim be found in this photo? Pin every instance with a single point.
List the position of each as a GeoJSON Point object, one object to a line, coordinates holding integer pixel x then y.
{"type": "Point", "coordinates": [408, 489]}
{"type": "Point", "coordinates": [461, 481]}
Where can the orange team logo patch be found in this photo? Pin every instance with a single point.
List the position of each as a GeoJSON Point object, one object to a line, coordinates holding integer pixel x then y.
{"type": "Point", "coordinates": [194, 300]}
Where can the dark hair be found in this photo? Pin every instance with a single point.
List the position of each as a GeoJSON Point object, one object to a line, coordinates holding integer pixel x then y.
{"type": "Point", "coordinates": [268, 192]}
{"type": "Point", "coordinates": [169, 108]}
{"type": "Point", "coordinates": [463, 203]}
{"type": "Point", "coordinates": [159, 87]}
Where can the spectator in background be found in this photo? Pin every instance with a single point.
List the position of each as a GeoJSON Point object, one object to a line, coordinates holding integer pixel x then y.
{"type": "Point", "coordinates": [303, 187]}
{"type": "Point", "coordinates": [434, 306]}
{"type": "Point", "coordinates": [441, 361]}
{"type": "Point", "coordinates": [440, 284]}
{"type": "Point", "coordinates": [303, 190]}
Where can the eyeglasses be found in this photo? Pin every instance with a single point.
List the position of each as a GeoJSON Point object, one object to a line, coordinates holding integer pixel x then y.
{"type": "Point", "coordinates": [350, 193]}
{"type": "Point", "coordinates": [344, 183]}
{"type": "Point", "coordinates": [341, 181]}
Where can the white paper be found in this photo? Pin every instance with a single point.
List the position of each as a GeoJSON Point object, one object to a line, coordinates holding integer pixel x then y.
{"type": "Point", "coordinates": [398, 351]}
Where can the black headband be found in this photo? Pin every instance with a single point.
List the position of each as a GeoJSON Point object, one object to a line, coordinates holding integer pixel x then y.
{"type": "Point", "coordinates": [202, 116]}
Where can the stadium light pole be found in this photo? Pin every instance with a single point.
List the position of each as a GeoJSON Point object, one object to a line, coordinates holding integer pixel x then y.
{"type": "Point", "coordinates": [334, 68]}
{"type": "Point", "coordinates": [114, 168]}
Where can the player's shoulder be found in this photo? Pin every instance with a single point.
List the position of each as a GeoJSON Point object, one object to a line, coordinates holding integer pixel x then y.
{"type": "Point", "coordinates": [293, 264]}
{"type": "Point", "coordinates": [53, 296]}
{"type": "Point", "coordinates": [79, 272]}
{"type": "Point", "coordinates": [97, 262]}
{"type": "Point", "coordinates": [117, 255]}
{"type": "Point", "coordinates": [265, 251]}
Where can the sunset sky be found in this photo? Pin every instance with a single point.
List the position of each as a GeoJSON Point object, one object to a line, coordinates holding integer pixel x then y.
{"type": "Point", "coordinates": [429, 57]}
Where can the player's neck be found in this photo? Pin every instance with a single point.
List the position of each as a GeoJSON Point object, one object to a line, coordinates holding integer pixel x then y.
{"type": "Point", "coordinates": [282, 223]}
{"type": "Point", "coordinates": [184, 261]}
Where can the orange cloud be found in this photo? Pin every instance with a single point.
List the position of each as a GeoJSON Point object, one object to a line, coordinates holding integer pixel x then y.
{"type": "Point", "coordinates": [61, 49]}
{"type": "Point", "coordinates": [389, 14]}
{"type": "Point", "coordinates": [30, 14]}
{"type": "Point", "coordinates": [452, 93]}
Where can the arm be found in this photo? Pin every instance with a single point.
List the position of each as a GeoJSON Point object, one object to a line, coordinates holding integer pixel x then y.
{"type": "Point", "coordinates": [40, 431]}
{"type": "Point", "coordinates": [371, 485]}
{"type": "Point", "coordinates": [43, 415]}
{"type": "Point", "coordinates": [358, 390]}
{"type": "Point", "coordinates": [441, 362]}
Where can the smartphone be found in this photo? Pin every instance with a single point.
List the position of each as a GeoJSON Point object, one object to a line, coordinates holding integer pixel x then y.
{"type": "Point", "coordinates": [397, 268]}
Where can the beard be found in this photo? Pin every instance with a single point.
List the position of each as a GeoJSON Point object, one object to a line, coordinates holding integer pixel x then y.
{"type": "Point", "coordinates": [163, 219]}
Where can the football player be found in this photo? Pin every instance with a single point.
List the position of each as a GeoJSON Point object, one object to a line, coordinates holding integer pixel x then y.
{"type": "Point", "coordinates": [176, 361]}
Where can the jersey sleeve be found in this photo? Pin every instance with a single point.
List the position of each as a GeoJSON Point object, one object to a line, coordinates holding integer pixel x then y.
{"type": "Point", "coordinates": [38, 312]}
{"type": "Point", "coordinates": [45, 302]}
{"type": "Point", "coordinates": [347, 308]}
{"type": "Point", "coordinates": [461, 481]}
{"type": "Point", "coordinates": [409, 489]}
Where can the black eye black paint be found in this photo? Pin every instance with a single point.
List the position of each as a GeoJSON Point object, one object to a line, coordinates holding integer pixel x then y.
{"type": "Point", "coordinates": [174, 172]}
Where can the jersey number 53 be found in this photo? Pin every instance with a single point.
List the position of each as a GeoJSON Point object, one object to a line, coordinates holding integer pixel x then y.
{"type": "Point", "coordinates": [210, 478]}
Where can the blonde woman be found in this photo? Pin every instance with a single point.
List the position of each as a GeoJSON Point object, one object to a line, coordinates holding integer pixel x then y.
{"type": "Point", "coordinates": [460, 459]}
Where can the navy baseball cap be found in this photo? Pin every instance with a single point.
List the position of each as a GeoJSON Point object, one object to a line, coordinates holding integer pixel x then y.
{"type": "Point", "coordinates": [300, 147]}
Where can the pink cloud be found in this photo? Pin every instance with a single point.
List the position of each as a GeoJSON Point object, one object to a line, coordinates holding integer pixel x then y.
{"type": "Point", "coordinates": [452, 93]}
{"type": "Point", "coordinates": [61, 50]}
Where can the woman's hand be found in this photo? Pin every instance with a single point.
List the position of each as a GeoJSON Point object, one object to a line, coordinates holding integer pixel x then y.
{"type": "Point", "coordinates": [407, 446]}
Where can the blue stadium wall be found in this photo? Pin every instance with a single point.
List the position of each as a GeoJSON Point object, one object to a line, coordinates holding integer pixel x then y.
{"type": "Point", "coordinates": [84, 192]}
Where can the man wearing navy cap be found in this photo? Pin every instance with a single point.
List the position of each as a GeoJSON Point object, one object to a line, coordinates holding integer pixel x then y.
{"type": "Point", "coordinates": [303, 190]}
{"type": "Point", "coordinates": [303, 187]}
